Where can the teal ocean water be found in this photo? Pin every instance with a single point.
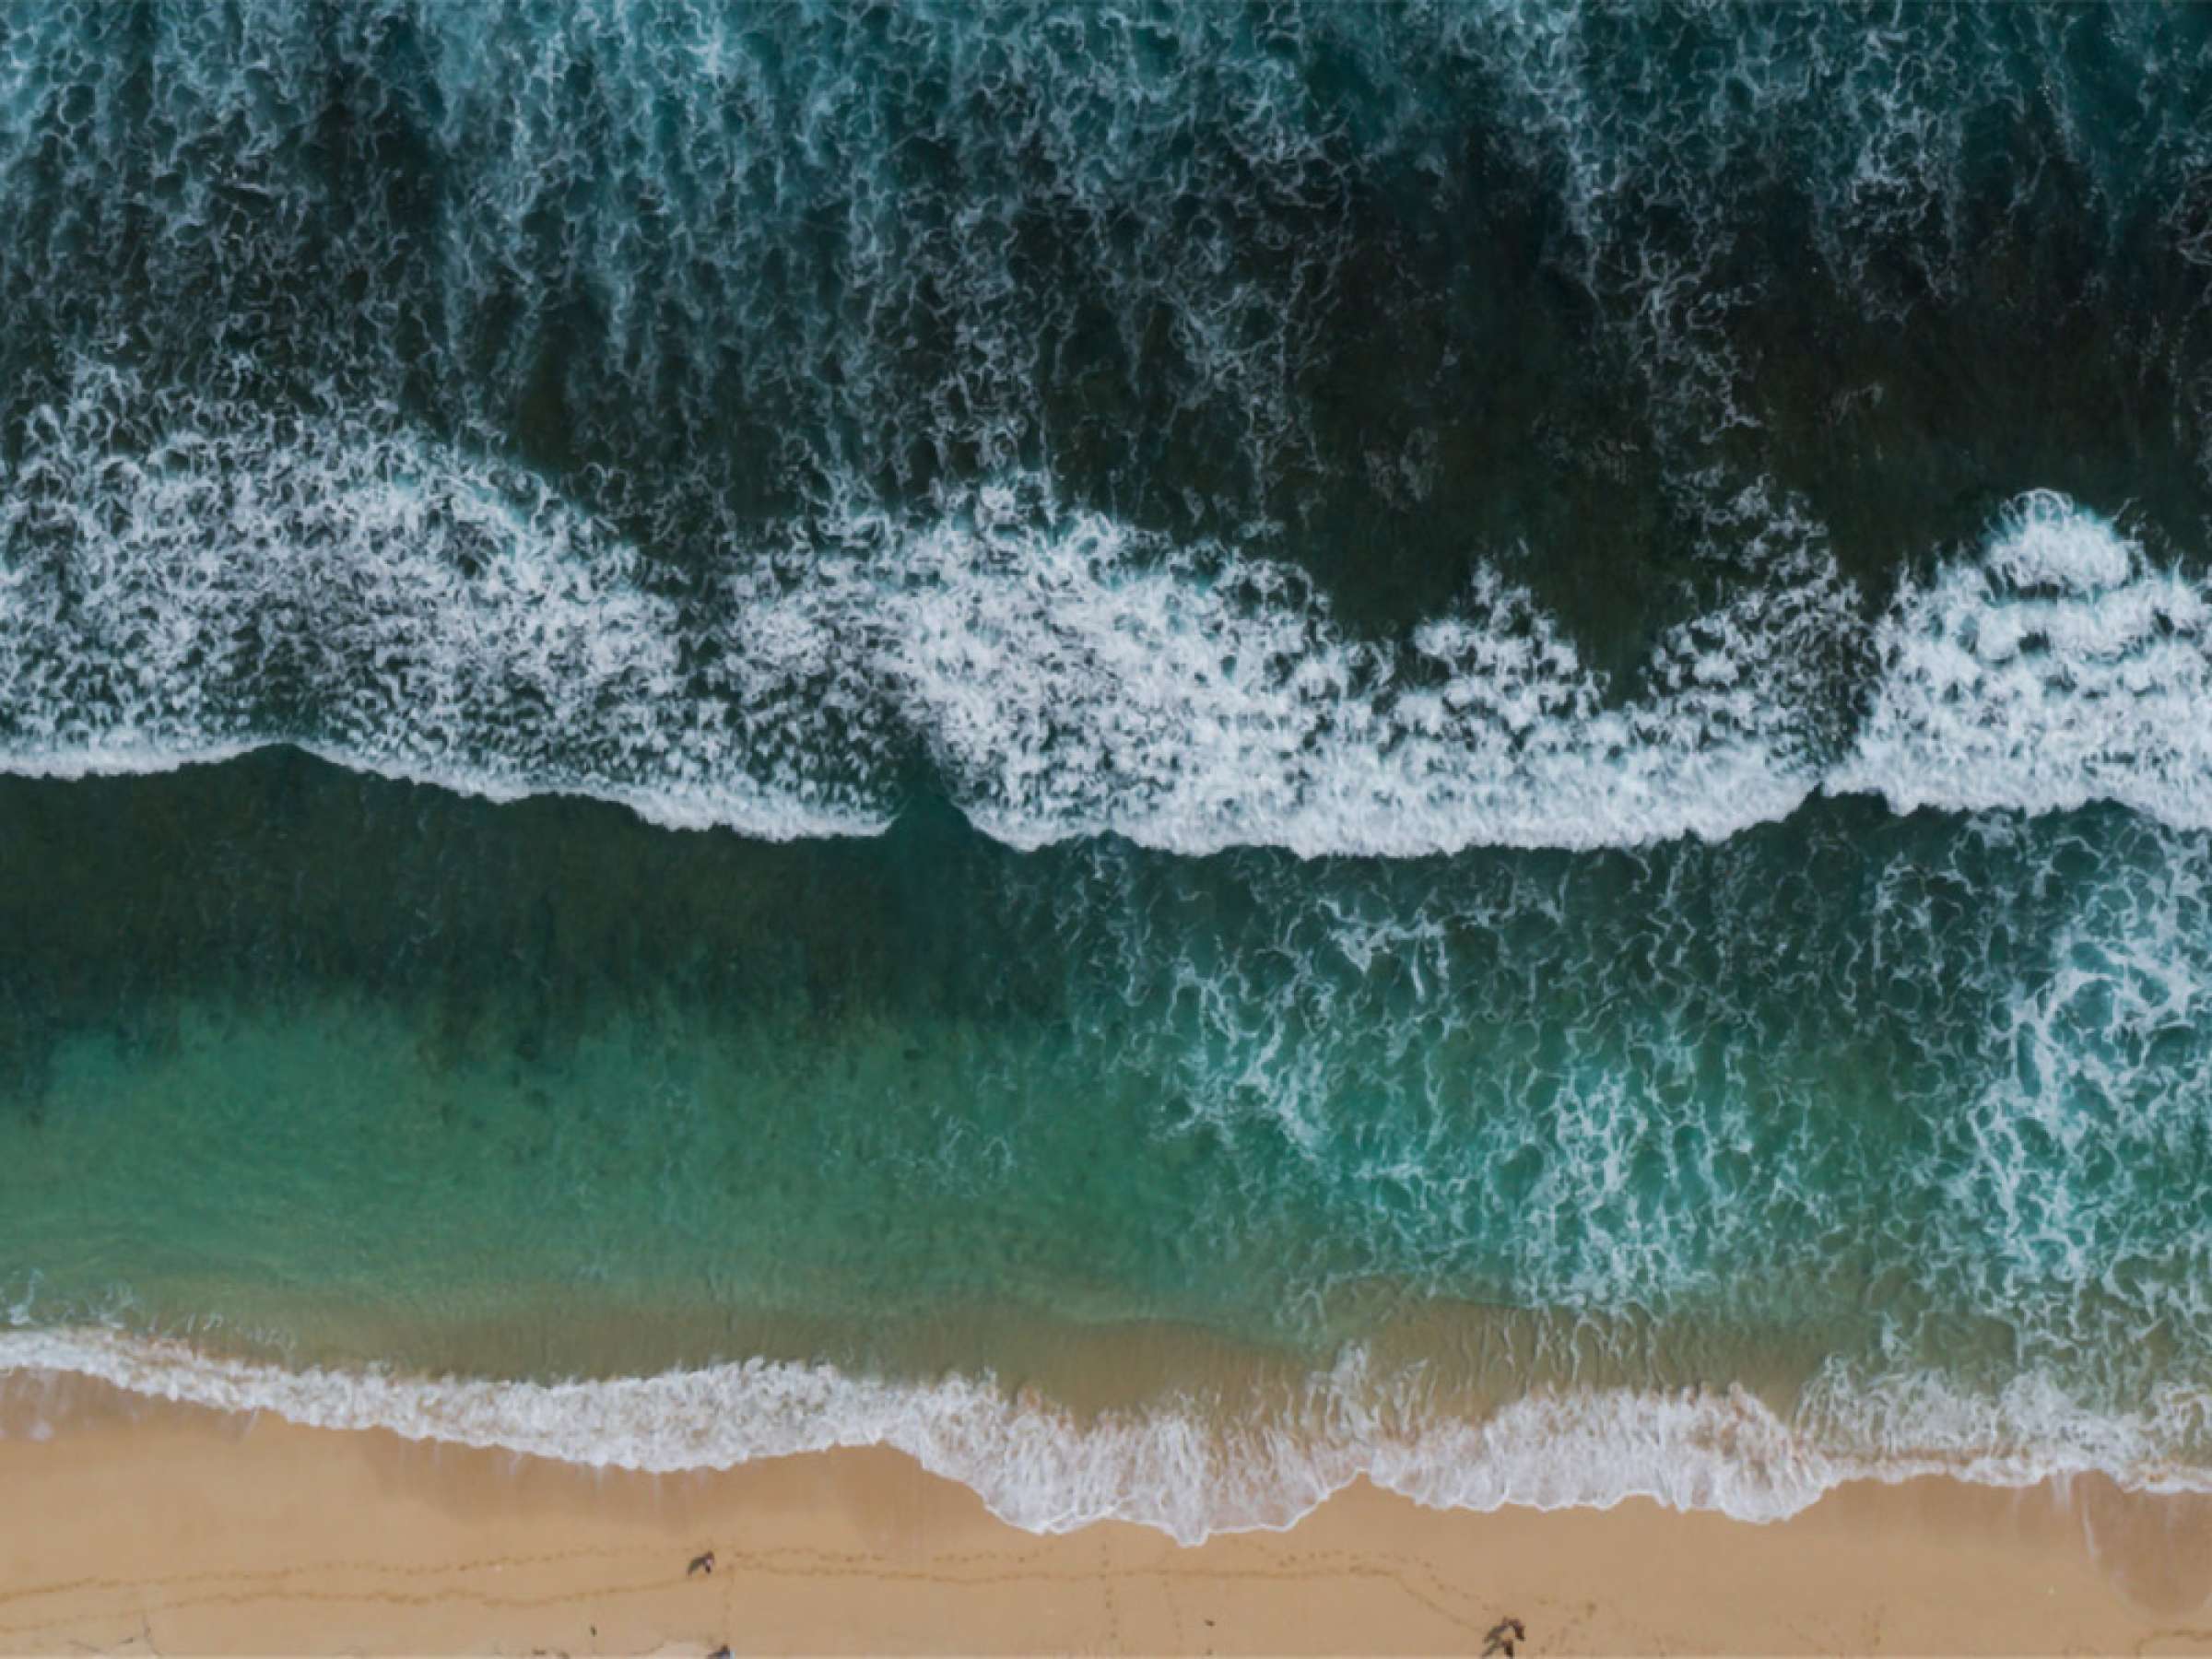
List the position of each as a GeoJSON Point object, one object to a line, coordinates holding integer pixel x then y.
{"type": "Point", "coordinates": [1171, 752]}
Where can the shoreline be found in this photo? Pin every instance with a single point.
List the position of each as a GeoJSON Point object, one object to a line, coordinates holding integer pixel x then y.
{"type": "Point", "coordinates": [136, 1526]}
{"type": "Point", "coordinates": [1212, 1441]}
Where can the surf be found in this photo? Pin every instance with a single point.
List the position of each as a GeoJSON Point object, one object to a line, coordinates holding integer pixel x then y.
{"type": "Point", "coordinates": [223, 580]}
{"type": "Point", "coordinates": [1190, 1468]}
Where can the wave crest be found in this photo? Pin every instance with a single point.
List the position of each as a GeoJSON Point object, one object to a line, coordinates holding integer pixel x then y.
{"type": "Point", "coordinates": [184, 587]}
{"type": "Point", "coordinates": [2062, 668]}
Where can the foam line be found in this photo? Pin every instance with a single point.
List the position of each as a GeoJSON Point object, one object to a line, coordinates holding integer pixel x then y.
{"type": "Point", "coordinates": [1177, 1468]}
{"type": "Point", "coordinates": [408, 608]}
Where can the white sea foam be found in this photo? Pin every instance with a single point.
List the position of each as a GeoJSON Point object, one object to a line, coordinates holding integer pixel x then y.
{"type": "Point", "coordinates": [399, 605]}
{"type": "Point", "coordinates": [1192, 1467]}
{"type": "Point", "coordinates": [2060, 667]}
{"type": "Point", "coordinates": [190, 589]}
{"type": "Point", "coordinates": [1071, 677]}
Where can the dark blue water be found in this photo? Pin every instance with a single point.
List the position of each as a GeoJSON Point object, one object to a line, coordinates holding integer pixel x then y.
{"type": "Point", "coordinates": [1511, 707]}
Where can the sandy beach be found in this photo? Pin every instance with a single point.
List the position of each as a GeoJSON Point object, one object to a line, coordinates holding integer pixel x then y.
{"type": "Point", "coordinates": [133, 1528]}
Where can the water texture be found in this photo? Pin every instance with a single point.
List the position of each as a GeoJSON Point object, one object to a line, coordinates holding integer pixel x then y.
{"type": "Point", "coordinates": [1484, 730]}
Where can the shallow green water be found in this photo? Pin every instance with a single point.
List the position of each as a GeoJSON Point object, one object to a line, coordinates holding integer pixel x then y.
{"type": "Point", "coordinates": [284, 1038]}
{"type": "Point", "coordinates": [1526, 689]}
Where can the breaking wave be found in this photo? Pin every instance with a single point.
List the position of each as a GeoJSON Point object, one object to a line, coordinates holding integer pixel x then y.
{"type": "Point", "coordinates": [1193, 1466]}
{"type": "Point", "coordinates": [1383, 432]}
{"type": "Point", "coordinates": [420, 610]}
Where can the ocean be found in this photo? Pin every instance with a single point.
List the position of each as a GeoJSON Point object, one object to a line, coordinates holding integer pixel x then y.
{"type": "Point", "coordinates": [1173, 751]}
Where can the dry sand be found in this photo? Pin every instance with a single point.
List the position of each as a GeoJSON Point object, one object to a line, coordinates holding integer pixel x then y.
{"type": "Point", "coordinates": [135, 1527]}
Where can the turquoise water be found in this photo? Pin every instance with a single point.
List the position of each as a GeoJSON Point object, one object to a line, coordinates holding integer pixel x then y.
{"type": "Point", "coordinates": [1366, 720]}
{"type": "Point", "coordinates": [1885, 1078]}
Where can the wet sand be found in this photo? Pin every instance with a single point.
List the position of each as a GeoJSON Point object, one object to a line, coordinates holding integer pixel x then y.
{"type": "Point", "coordinates": [131, 1527]}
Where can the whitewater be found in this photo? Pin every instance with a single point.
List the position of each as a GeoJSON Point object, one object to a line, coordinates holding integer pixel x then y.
{"type": "Point", "coordinates": [1570, 650]}
{"type": "Point", "coordinates": [413, 609]}
{"type": "Point", "coordinates": [1205, 1463]}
